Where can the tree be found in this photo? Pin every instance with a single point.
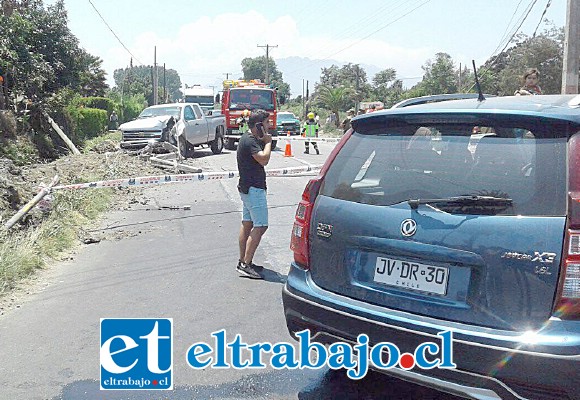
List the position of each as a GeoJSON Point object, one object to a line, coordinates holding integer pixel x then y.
{"type": "Point", "coordinates": [134, 81]}
{"type": "Point", "coordinates": [349, 75]}
{"type": "Point", "coordinates": [41, 56]}
{"type": "Point", "coordinates": [440, 75]}
{"type": "Point", "coordinates": [334, 98]}
{"type": "Point", "coordinates": [386, 87]}
{"type": "Point", "coordinates": [544, 52]}
{"type": "Point", "coordinates": [255, 68]}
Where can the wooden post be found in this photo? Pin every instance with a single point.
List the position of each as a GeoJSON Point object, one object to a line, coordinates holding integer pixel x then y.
{"type": "Point", "coordinates": [62, 135]}
{"type": "Point", "coordinates": [24, 210]}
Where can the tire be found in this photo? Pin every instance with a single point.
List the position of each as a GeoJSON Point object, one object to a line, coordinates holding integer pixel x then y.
{"type": "Point", "coordinates": [217, 145]}
{"type": "Point", "coordinates": [274, 144]}
{"type": "Point", "coordinates": [230, 144]}
{"type": "Point", "coordinates": [185, 149]}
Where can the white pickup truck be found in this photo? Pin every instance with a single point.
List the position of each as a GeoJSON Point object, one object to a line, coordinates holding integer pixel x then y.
{"type": "Point", "coordinates": [182, 124]}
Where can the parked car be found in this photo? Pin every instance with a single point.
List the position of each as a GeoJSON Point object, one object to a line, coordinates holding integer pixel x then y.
{"type": "Point", "coordinates": [460, 216]}
{"type": "Point", "coordinates": [182, 124]}
{"type": "Point", "coordinates": [287, 122]}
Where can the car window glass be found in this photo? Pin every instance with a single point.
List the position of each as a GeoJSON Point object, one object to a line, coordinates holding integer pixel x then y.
{"type": "Point", "coordinates": [251, 99]}
{"type": "Point", "coordinates": [440, 161]}
{"type": "Point", "coordinates": [197, 113]}
{"type": "Point", "coordinates": [188, 114]}
{"type": "Point", "coordinates": [159, 111]}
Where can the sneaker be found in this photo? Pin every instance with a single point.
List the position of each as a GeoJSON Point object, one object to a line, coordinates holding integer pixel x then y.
{"type": "Point", "coordinates": [306, 152]}
{"type": "Point", "coordinates": [255, 266]}
{"type": "Point", "coordinates": [248, 270]}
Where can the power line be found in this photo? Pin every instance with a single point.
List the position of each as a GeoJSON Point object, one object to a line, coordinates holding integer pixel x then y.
{"type": "Point", "coordinates": [122, 44]}
{"type": "Point", "coordinates": [359, 40]}
{"type": "Point", "coordinates": [542, 17]}
{"type": "Point", "coordinates": [380, 29]}
{"type": "Point", "coordinates": [486, 70]}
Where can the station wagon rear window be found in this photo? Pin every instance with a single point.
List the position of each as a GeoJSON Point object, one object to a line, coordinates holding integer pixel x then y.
{"type": "Point", "coordinates": [389, 162]}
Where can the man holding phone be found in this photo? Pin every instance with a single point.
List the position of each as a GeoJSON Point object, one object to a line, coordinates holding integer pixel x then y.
{"type": "Point", "coordinates": [254, 150]}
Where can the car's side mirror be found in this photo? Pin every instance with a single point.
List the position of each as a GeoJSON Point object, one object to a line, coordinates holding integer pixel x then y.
{"type": "Point", "coordinates": [217, 98]}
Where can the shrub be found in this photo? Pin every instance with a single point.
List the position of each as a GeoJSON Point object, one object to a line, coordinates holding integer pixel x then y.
{"type": "Point", "coordinates": [102, 103]}
{"type": "Point", "coordinates": [132, 107]}
{"type": "Point", "coordinates": [89, 122]}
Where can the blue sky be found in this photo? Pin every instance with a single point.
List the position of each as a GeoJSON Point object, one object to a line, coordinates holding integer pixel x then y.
{"type": "Point", "coordinates": [202, 40]}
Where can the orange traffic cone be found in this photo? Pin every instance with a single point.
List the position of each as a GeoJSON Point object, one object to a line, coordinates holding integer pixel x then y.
{"type": "Point", "coordinates": [288, 149]}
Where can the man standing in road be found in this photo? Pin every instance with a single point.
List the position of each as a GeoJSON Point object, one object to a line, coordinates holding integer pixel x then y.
{"type": "Point", "coordinates": [310, 130]}
{"type": "Point", "coordinates": [254, 150]}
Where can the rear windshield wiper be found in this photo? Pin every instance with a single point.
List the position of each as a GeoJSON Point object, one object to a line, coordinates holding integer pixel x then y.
{"type": "Point", "coordinates": [479, 201]}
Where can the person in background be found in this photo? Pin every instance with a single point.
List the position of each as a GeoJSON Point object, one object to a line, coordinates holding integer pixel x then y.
{"type": "Point", "coordinates": [345, 124]}
{"type": "Point", "coordinates": [113, 121]}
{"type": "Point", "coordinates": [530, 82]}
{"type": "Point", "coordinates": [310, 129]}
{"type": "Point", "coordinates": [242, 121]}
{"type": "Point", "coordinates": [317, 118]}
{"type": "Point", "coordinates": [254, 151]}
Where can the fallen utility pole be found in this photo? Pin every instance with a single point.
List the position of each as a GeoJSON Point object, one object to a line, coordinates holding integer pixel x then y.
{"type": "Point", "coordinates": [24, 210]}
{"type": "Point", "coordinates": [62, 135]}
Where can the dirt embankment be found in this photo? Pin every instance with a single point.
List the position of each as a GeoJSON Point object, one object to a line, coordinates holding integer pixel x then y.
{"type": "Point", "coordinates": [18, 185]}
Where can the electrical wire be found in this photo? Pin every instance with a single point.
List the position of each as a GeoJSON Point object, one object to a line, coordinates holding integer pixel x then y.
{"type": "Point", "coordinates": [357, 41]}
{"type": "Point", "coordinates": [542, 17]}
{"type": "Point", "coordinates": [486, 70]}
{"type": "Point", "coordinates": [114, 34]}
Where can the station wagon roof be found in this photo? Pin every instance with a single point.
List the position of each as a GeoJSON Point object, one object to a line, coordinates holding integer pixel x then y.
{"type": "Point", "coordinates": [566, 107]}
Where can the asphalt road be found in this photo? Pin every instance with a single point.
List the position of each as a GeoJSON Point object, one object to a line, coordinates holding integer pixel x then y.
{"type": "Point", "coordinates": [174, 263]}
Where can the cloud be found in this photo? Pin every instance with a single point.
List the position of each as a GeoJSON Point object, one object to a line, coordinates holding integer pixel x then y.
{"type": "Point", "coordinates": [204, 50]}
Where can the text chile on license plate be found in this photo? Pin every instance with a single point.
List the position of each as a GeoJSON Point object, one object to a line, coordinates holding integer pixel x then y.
{"type": "Point", "coordinates": [411, 275]}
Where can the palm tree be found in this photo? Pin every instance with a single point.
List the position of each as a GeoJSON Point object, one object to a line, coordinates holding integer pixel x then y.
{"type": "Point", "coordinates": [334, 98]}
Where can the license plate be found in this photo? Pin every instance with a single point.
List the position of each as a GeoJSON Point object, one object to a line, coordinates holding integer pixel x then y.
{"type": "Point", "coordinates": [411, 275]}
{"type": "Point", "coordinates": [235, 131]}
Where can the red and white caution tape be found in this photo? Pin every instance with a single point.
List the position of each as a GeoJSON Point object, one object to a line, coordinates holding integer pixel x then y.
{"type": "Point", "coordinates": [200, 177]}
{"type": "Point", "coordinates": [297, 138]}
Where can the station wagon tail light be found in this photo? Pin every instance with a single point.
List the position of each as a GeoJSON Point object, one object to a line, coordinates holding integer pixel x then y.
{"type": "Point", "coordinates": [300, 241]}
{"type": "Point", "coordinates": [567, 304]}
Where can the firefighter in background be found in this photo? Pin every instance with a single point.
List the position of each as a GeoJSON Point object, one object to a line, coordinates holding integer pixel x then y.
{"type": "Point", "coordinates": [242, 121]}
{"type": "Point", "coordinates": [310, 129]}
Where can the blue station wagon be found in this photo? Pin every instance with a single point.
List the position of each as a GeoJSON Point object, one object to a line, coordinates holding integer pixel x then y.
{"type": "Point", "coordinates": [460, 216]}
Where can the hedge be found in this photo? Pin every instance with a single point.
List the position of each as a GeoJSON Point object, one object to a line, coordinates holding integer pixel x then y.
{"type": "Point", "coordinates": [88, 122]}
{"type": "Point", "coordinates": [102, 103]}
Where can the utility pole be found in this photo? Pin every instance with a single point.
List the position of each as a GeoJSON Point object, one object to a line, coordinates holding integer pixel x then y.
{"type": "Point", "coordinates": [267, 46]}
{"type": "Point", "coordinates": [155, 76]}
{"type": "Point", "coordinates": [303, 110]}
{"type": "Point", "coordinates": [164, 85]}
{"type": "Point", "coordinates": [459, 85]}
{"type": "Point", "coordinates": [571, 48]}
{"type": "Point", "coordinates": [357, 88]}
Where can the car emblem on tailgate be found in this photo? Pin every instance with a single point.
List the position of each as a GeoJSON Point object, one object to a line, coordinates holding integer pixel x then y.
{"type": "Point", "coordinates": [324, 230]}
{"type": "Point", "coordinates": [408, 227]}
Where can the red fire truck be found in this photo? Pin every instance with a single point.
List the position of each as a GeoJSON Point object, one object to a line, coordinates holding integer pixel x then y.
{"type": "Point", "coordinates": [240, 95]}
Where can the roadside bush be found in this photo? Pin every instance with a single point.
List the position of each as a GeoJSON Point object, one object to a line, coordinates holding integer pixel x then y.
{"type": "Point", "coordinates": [102, 103]}
{"type": "Point", "coordinates": [132, 107]}
{"type": "Point", "coordinates": [88, 122]}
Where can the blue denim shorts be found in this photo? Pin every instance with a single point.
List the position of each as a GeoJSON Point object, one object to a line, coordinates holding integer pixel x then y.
{"type": "Point", "coordinates": [255, 207]}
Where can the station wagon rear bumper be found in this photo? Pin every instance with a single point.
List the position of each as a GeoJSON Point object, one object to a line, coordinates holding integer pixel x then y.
{"type": "Point", "coordinates": [491, 363]}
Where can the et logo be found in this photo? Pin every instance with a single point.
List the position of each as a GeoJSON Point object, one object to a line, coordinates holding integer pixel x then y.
{"type": "Point", "coordinates": [136, 354]}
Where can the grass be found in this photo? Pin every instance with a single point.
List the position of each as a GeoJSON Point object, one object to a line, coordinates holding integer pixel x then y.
{"type": "Point", "coordinates": [23, 251]}
{"type": "Point", "coordinates": [26, 250]}
{"type": "Point", "coordinates": [95, 142]}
